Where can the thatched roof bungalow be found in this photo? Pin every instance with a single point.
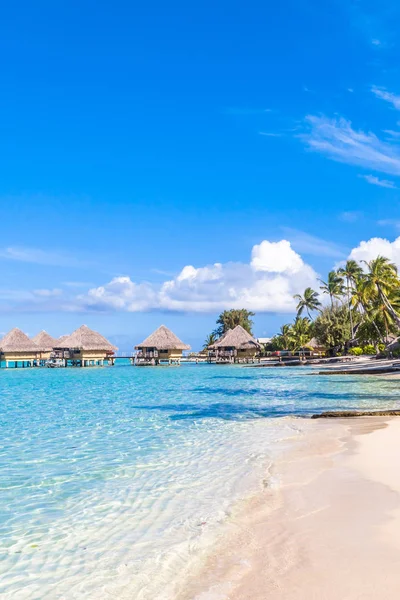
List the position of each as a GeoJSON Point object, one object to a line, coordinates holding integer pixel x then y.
{"type": "Point", "coordinates": [46, 342]}
{"type": "Point", "coordinates": [86, 346]}
{"type": "Point", "coordinates": [16, 347]}
{"type": "Point", "coordinates": [236, 345]}
{"type": "Point", "coordinates": [161, 346]}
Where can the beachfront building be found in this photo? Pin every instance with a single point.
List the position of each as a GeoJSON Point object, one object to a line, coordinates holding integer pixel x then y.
{"type": "Point", "coordinates": [316, 348]}
{"type": "Point", "coordinates": [161, 347]}
{"type": "Point", "coordinates": [46, 343]}
{"type": "Point", "coordinates": [235, 346]}
{"type": "Point", "coordinates": [85, 348]}
{"type": "Point", "coordinates": [17, 350]}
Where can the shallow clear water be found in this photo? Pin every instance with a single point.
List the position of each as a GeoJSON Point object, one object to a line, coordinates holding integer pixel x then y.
{"type": "Point", "coordinates": [112, 480]}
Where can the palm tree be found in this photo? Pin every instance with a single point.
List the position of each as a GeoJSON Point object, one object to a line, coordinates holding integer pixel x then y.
{"type": "Point", "coordinates": [334, 286]}
{"type": "Point", "coordinates": [364, 299]}
{"type": "Point", "coordinates": [381, 313]}
{"type": "Point", "coordinates": [351, 271]}
{"type": "Point", "coordinates": [300, 333]}
{"type": "Point", "coordinates": [383, 279]}
{"type": "Point", "coordinates": [284, 336]}
{"type": "Point", "coordinates": [308, 301]}
{"type": "Point", "coordinates": [209, 341]}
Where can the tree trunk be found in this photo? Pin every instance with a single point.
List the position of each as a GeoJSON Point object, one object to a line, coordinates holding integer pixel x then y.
{"type": "Point", "coordinates": [373, 323]}
{"type": "Point", "coordinates": [391, 310]}
{"type": "Point", "coordinates": [351, 316]}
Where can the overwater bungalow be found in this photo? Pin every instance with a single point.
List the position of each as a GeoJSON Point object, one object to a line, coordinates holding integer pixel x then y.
{"type": "Point", "coordinates": [161, 347]}
{"type": "Point", "coordinates": [47, 343]}
{"type": "Point", "coordinates": [18, 350]}
{"type": "Point", "coordinates": [84, 348]}
{"type": "Point", "coordinates": [235, 346]}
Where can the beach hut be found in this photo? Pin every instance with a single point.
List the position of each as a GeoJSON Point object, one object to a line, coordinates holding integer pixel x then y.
{"type": "Point", "coordinates": [236, 345]}
{"type": "Point", "coordinates": [85, 347]}
{"type": "Point", "coordinates": [18, 349]}
{"type": "Point", "coordinates": [162, 346]}
{"type": "Point", "coordinates": [316, 347]}
{"type": "Point", "coordinates": [46, 342]}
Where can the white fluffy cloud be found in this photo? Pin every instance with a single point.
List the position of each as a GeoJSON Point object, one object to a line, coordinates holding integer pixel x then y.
{"type": "Point", "coordinates": [266, 284]}
{"type": "Point", "coordinates": [377, 247]}
{"type": "Point", "coordinates": [121, 293]}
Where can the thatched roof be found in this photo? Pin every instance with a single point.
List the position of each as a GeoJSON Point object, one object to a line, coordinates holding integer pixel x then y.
{"type": "Point", "coordinates": [45, 341]}
{"type": "Point", "coordinates": [163, 339]}
{"type": "Point", "coordinates": [237, 338]}
{"type": "Point", "coordinates": [85, 338]}
{"type": "Point", "coordinates": [313, 343]}
{"type": "Point", "coordinates": [61, 339]}
{"type": "Point", "coordinates": [17, 341]}
{"type": "Point", "coordinates": [219, 340]}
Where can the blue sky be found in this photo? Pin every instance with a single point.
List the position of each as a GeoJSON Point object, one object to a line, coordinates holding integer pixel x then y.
{"type": "Point", "coordinates": [142, 144]}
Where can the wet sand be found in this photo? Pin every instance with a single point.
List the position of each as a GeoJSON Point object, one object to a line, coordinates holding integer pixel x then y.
{"type": "Point", "coordinates": [329, 531]}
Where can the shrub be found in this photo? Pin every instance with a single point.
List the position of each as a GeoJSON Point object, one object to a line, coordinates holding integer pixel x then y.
{"type": "Point", "coordinates": [369, 349]}
{"type": "Point", "coordinates": [381, 347]}
{"type": "Point", "coordinates": [357, 351]}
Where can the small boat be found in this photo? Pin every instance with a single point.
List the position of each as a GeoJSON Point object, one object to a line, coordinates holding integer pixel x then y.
{"type": "Point", "coordinates": [54, 363]}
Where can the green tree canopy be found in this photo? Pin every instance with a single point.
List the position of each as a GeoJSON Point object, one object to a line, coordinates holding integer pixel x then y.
{"type": "Point", "coordinates": [300, 333]}
{"type": "Point", "coordinates": [333, 286]}
{"type": "Point", "coordinates": [229, 319]}
{"type": "Point", "coordinates": [210, 339]}
{"type": "Point", "coordinates": [308, 301]}
{"type": "Point", "coordinates": [332, 328]}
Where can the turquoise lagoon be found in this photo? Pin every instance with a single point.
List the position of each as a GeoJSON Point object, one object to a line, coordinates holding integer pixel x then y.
{"type": "Point", "coordinates": [113, 481]}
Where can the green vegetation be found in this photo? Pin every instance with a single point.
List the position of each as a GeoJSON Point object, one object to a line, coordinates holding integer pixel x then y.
{"type": "Point", "coordinates": [362, 316]}
{"type": "Point", "coordinates": [356, 351]}
{"type": "Point", "coordinates": [309, 301]}
{"type": "Point", "coordinates": [210, 339]}
{"type": "Point", "coordinates": [229, 319]}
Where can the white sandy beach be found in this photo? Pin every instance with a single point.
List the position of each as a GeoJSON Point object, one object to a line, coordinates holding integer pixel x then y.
{"type": "Point", "coordinates": [330, 531]}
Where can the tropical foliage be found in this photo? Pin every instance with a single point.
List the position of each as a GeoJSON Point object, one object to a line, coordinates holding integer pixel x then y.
{"type": "Point", "coordinates": [210, 339]}
{"type": "Point", "coordinates": [358, 306]}
{"type": "Point", "coordinates": [309, 302]}
{"type": "Point", "coordinates": [229, 319]}
{"type": "Point", "coordinates": [363, 310]}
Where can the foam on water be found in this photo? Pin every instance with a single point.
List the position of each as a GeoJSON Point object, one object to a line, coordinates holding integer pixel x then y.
{"type": "Point", "coordinates": [113, 480]}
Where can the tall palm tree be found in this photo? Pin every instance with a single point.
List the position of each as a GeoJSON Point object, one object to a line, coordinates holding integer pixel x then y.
{"type": "Point", "coordinates": [351, 271]}
{"type": "Point", "coordinates": [381, 313]}
{"type": "Point", "coordinates": [309, 301]}
{"type": "Point", "coordinates": [363, 299]}
{"type": "Point", "coordinates": [382, 278]}
{"type": "Point", "coordinates": [334, 286]}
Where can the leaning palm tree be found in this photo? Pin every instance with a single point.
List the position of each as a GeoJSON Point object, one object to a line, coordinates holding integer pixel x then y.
{"type": "Point", "coordinates": [381, 314]}
{"type": "Point", "coordinates": [209, 341]}
{"type": "Point", "coordinates": [364, 300]}
{"type": "Point", "coordinates": [351, 271]}
{"type": "Point", "coordinates": [334, 286]}
{"type": "Point", "coordinates": [309, 301]}
{"type": "Point", "coordinates": [383, 279]}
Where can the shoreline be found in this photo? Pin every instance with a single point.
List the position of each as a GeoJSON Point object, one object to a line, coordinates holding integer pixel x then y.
{"type": "Point", "coordinates": [330, 530]}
